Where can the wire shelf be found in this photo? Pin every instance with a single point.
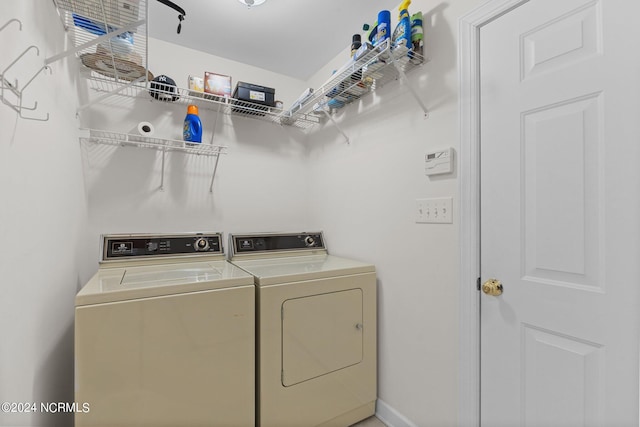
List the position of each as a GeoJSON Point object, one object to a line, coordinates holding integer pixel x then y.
{"type": "Point", "coordinates": [168, 145]}
{"type": "Point", "coordinates": [370, 71]}
{"type": "Point", "coordinates": [203, 100]}
{"type": "Point", "coordinates": [163, 145]}
{"type": "Point", "coordinates": [109, 36]}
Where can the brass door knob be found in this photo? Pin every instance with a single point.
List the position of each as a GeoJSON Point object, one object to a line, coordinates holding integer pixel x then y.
{"type": "Point", "coordinates": [492, 287]}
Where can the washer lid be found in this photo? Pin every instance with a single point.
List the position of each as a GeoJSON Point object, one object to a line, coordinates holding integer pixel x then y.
{"type": "Point", "coordinates": [127, 283]}
{"type": "Point", "coordinates": [278, 270]}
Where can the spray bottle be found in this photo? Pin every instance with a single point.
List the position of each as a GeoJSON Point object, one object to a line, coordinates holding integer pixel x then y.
{"type": "Point", "coordinates": [192, 131]}
{"type": "Point", "coordinates": [371, 31]}
{"type": "Point", "coordinates": [417, 39]}
{"type": "Point", "coordinates": [402, 34]}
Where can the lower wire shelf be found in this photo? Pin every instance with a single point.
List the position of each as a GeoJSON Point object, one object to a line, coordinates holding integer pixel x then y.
{"type": "Point", "coordinates": [103, 137]}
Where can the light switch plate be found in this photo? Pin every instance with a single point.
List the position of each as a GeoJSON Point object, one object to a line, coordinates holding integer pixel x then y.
{"type": "Point", "coordinates": [434, 211]}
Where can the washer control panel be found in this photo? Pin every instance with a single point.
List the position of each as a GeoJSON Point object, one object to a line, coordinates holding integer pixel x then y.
{"type": "Point", "coordinates": [128, 246]}
{"type": "Point", "coordinates": [255, 243]}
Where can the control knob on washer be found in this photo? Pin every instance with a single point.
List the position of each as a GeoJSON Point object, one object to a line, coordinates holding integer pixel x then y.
{"type": "Point", "coordinates": [309, 241]}
{"type": "Point", "coordinates": [201, 244]}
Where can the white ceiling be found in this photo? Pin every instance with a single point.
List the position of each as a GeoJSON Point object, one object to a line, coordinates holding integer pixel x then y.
{"type": "Point", "coordinates": [290, 37]}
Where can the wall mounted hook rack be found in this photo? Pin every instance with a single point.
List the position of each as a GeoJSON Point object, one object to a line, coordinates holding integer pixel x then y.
{"type": "Point", "coordinates": [16, 103]}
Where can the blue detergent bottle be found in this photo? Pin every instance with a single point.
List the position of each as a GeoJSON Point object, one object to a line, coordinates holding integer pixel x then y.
{"type": "Point", "coordinates": [192, 131]}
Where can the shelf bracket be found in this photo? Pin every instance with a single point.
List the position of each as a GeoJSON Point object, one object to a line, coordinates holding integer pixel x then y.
{"type": "Point", "coordinates": [412, 91]}
{"type": "Point", "coordinates": [215, 169]}
{"type": "Point", "coordinates": [346, 138]}
{"type": "Point", "coordinates": [215, 165]}
{"type": "Point", "coordinates": [164, 153]}
{"type": "Point", "coordinates": [215, 123]}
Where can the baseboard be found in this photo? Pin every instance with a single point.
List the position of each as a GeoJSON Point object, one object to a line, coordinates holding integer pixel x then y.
{"type": "Point", "coordinates": [391, 417]}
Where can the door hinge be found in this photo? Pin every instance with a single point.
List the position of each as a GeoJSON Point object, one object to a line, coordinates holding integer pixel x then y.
{"type": "Point", "coordinates": [478, 284]}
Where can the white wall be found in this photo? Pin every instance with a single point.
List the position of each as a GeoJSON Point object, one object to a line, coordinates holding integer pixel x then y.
{"type": "Point", "coordinates": [364, 199]}
{"type": "Point", "coordinates": [42, 219]}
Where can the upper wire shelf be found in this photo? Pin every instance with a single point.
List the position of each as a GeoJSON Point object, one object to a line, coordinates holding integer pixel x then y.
{"type": "Point", "coordinates": [204, 100]}
{"type": "Point", "coordinates": [373, 70]}
{"type": "Point", "coordinates": [356, 78]}
{"type": "Point", "coordinates": [109, 36]}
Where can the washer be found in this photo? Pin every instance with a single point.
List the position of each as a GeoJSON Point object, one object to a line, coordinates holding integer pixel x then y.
{"type": "Point", "coordinates": [165, 335]}
{"type": "Point", "coordinates": [316, 330]}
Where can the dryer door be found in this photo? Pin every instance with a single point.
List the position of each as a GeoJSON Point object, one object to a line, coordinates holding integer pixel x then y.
{"type": "Point", "coordinates": [321, 334]}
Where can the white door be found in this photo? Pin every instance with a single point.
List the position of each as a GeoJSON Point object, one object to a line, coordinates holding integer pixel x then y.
{"type": "Point", "coordinates": [560, 214]}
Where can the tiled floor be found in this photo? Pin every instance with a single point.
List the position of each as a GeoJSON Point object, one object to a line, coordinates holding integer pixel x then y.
{"type": "Point", "coordinates": [370, 422]}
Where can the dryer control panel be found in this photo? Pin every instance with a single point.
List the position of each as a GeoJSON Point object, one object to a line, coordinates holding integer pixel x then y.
{"type": "Point", "coordinates": [135, 246]}
{"type": "Point", "coordinates": [257, 243]}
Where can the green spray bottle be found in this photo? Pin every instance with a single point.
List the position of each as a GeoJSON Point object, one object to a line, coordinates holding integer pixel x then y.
{"type": "Point", "coordinates": [417, 39]}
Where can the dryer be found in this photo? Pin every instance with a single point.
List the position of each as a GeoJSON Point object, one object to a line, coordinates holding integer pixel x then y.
{"type": "Point", "coordinates": [165, 335]}
{"type": "Point", "coordinates": [316, 330]}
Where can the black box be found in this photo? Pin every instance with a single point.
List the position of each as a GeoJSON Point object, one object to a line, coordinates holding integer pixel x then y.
{"type": "Point", "coordinates": [253, 98]}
